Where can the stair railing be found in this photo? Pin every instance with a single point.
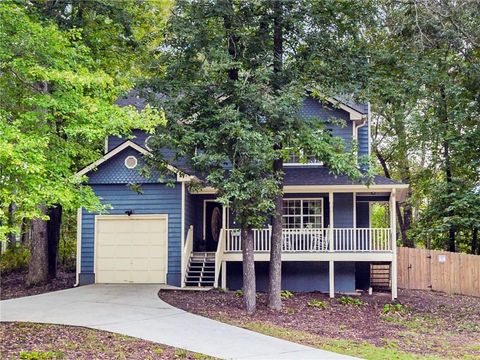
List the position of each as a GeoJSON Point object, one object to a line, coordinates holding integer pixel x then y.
{"type": "Point", "coordinates": [219, 257]}
{"type": "Point", "coordinates": [187, 252]}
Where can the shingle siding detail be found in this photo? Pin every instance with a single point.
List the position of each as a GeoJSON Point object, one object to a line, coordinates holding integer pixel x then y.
{"type": "Point", "coordinates": [114, 170]}
{"type": "Point", "coordinates": [156, 199]}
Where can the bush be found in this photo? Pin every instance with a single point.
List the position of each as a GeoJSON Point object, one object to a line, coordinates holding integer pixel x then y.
{"type": "Point", "coordinates": [239, 293]}
{"type": "Point", "coordinates": [285, 294]}
{"type": "Point", "coordinates": [319, 304]}
{"type": "Point", "coordinates": [14, 260]}
{"type": "Point", "coordinates": [393, 308]}
{"type": "Point", "coordinates": [347, 300]}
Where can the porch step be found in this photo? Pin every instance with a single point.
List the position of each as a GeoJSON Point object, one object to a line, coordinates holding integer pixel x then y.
{"type": "Point", "coordinates": [380, 276]}
{"type": "Point", "coordinates": [201, 270]}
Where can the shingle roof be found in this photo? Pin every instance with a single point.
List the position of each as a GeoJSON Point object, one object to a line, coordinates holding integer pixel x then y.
{"type": "Point", "coordinates": [313, 175]}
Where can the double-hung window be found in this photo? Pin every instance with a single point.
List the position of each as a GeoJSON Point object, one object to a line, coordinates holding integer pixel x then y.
{"type": "Point", "coordinates": [303, 213]}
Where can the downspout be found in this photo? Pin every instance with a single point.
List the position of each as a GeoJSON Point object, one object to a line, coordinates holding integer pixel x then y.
{"type": "Point", "coordinates": [79, 247]}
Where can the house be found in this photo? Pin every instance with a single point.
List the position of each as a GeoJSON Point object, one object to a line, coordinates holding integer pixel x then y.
{"type": "Point", "coordinates": [166, 234]}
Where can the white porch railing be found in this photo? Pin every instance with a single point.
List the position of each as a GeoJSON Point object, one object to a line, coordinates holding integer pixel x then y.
{"type": "Point", "coordinates": [316, 240]}
{"type": "Point", "coordinates": [187, 251]}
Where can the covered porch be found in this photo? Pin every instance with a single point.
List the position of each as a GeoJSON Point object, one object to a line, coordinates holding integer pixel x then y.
{"type": "Point", "coordinates": [321, 224]}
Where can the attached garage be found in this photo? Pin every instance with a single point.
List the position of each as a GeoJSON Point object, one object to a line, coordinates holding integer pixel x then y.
{"type": "Point", "coordinates": [131, 249]}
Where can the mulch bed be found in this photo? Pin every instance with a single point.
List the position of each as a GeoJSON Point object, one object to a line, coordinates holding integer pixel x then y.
{"type": "Point", "coordinates": [44, 341]}
{"type": "Point", "coordinates": [13, 285]}
{"type": "Point", "coordinates": [426, 323]}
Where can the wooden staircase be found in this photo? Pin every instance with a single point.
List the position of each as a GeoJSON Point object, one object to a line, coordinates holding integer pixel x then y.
{"type": "Point", "coordinates": [201, 269]}
{"type": "Point", "coordinates": [380, 276]}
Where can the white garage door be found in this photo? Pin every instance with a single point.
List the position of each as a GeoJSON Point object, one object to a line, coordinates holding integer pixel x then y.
{"type": "Point", "coordinates": [131, 249]}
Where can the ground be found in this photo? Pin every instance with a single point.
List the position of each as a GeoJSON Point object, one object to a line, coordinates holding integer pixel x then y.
{"type": "Point", "coordinates": [13, 285]}
{"type": "Point", "coordinates": [44, 341]}
{"type": "Point", "coordinates": [423, 325]}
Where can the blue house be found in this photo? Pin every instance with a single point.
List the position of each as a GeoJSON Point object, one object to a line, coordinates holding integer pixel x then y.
{"type": "Point", "coordinates": [171, 235]}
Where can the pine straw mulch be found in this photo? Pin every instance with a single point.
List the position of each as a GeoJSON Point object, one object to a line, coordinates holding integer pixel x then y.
{"type": "Point", "coordinates": [425, 324]}
{"type": "Point", "coordinates": [13, 285]}
{"type": "Point", "coordinates": [45, 341]}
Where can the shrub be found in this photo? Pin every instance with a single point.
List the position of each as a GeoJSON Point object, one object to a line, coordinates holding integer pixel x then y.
{"type": "Point", "coordinates": [14, 260]}
{"type": "Point", "coordinates": [239, 293]}
{"type": "Point", "coordinates": [319, 304]}
{"type": "Point", "coordinates": [41, 355]}
{"type": "Point", "coordinates": [393, 308]}
{"type": "Point", "coordinates": [347, 300]}
{"type": "Point", "coordinates": [285, 294]}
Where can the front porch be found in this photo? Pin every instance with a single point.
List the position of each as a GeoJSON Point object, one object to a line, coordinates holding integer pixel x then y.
{"type": "Point", "coordinates": [319, 226]}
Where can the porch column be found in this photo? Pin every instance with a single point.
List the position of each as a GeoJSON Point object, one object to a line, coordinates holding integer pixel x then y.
{"type": "Point", "coordinates": [393, 228]}
{"type": "Point", "coordinates": [224, 217]}
{"type": "Point", "coordinates": [331, 275]}
{"type": "Point", "coordinates": [183, 260]}
{"type": "Point", "coordinates": [224, 275]}
{"type": "Point", "coordinates": [330, 226]}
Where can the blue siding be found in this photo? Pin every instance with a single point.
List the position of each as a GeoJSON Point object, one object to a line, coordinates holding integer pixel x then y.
{"type": "Point", "coordinates": [190, 210]}
{"type": "Point", "coordinates": [343, 210]}
{"type": "Point", "coordinates": [312, 108]}
{"type": "Point", "coordinates": [297, 276]}
{"type": "Point", "coordinates": [156, 199]}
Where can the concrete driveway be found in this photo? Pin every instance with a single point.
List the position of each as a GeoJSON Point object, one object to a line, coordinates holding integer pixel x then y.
{"type": "Point", "coordinates": [136, 310]}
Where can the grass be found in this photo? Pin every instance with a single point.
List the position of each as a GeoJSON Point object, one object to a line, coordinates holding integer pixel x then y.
{"type": "Point", "coordinates": [361, 349]}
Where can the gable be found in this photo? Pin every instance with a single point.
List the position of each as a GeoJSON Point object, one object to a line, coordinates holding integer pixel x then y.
{"type": "Point", "coordinates": [114, 170]}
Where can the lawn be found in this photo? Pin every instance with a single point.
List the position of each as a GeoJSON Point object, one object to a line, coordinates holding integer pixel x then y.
{"type": "Point", "coordinates": [422, 325]}
{"type": "Point", "coordinates": [45, 341]}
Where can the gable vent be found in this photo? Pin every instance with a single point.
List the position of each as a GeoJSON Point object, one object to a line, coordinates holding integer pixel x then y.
{"type": "Point", "coordinates": [131, 162]}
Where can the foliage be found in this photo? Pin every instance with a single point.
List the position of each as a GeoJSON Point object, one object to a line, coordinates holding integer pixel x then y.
{"type": "Point", "coordinates": [57, 107]}
{"type": "Point", "coordinates": [393, 308]}
{"type": "Point", "coordinates": [426, 132]}
{"type": "Point", "coordinates": [238, 293]}
{"type": "Point", "coordinates": [14, 260]}
{"type": "Point", "coordinates": [318, 304]}
{"type": "Point", "coordinates": [347, 300]}
{"type": "Point", "coordinates": [285, 294]}
{"type": "Point", "coordinates": [41, 355]}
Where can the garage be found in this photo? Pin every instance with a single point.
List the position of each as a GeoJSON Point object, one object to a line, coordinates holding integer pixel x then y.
{"type": "Point", "coordinates": [131, 249]}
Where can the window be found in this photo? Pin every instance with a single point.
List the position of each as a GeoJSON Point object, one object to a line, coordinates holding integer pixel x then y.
{"type": "Point", "coordinates": [303, 213]}
{"type": "Point", "coordinates": [300, 159]}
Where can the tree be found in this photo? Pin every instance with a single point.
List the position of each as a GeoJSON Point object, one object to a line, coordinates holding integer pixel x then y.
{"type": "Point", "coordinates": [426, 63]}
{"type": "Point", "coordinates": [57, 107]}
{"type": "Point", "coordinates": [235, 79]}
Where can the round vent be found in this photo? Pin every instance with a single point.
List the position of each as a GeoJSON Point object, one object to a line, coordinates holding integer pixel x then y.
{"type": "Point", "coordinates": [131, 162]}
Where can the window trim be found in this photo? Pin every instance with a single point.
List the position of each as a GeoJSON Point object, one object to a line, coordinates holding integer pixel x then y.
{"type": "Point", "coordinates": [322, 216]}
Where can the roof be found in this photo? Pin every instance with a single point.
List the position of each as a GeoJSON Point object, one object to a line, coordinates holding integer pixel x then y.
{"type": "Point", "coordinates": [313, 175]}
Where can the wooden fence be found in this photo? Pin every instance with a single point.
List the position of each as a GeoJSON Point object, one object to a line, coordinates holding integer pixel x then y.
{"type": "Point", "coordinates": [452, 273]}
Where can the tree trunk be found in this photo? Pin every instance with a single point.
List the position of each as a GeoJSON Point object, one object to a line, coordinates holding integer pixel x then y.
{"type": "Point", "coordinates": [53, 228]}
{"type": "Point", "coordinates": [475, 243]}
{"type": "Point", "coordinates": [38, 264]}
{"type": "Point", "coordinates": [275, 270]}
{"type": "Point", "coordinates": [275, 266]}
{"type": "Point", "coordinates": [249, 282]}
{"type": "Point", "coordinates": [448, 166]}
{"type": "Point", "coordinates": [24, 232]}
{"type": "Point", "coordinates": [11, 237]}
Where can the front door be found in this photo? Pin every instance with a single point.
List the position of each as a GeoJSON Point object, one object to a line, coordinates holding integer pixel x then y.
{"type": "Point", "coordinates": [213, 224]}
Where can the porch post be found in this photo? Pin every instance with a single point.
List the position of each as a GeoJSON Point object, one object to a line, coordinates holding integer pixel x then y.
{"type": "Point", "coordinates": [331, 275]}
{"type": "Point", "coordinates": [330, 227]}
{"type": "Point", "coordinates": [224, 217]}
{"type": "Point", "coordinates": [393, 228]}
{"type": "Point", "coordinates": [224, 275]}
{"type": "Point", "coordinates": [182, 238]}
{"type": "Point", "coordinates": [354, 222]}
